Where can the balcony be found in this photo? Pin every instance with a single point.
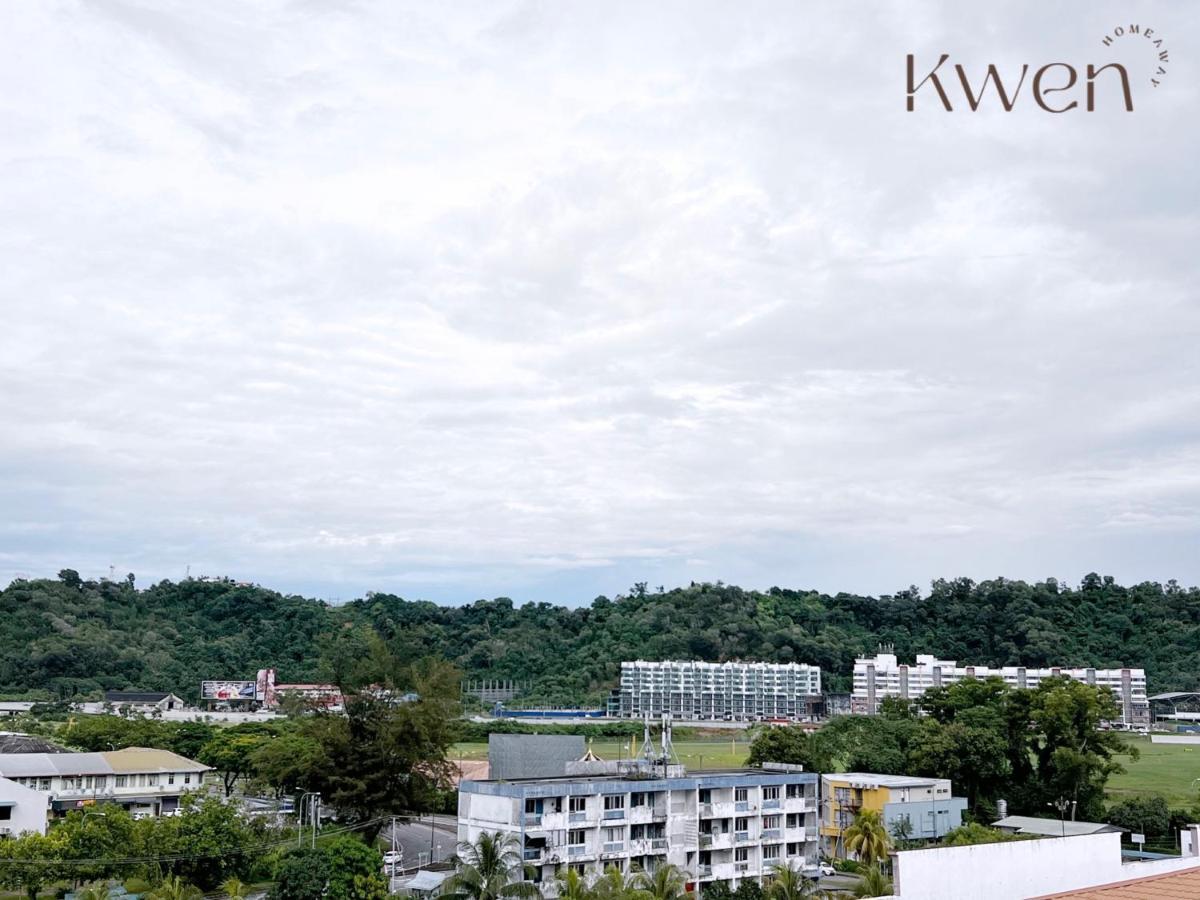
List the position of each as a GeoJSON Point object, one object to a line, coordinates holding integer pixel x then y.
{"type": "Point", "coordinates": [614, 814]}
{"type": "Point", "coordinates": [706, 841]}
{"type": "Point", "coordinates": [531, 820]}
{"type": "Point", "coordinates": [532, 854]}
{"type": "Point", "coordinates": [614, 846]}
{"type": "Point", "coordinates": [577, 817]}
{"type": "Point", "coordinates": [743, 806]}
{"type": "Point", "coordinates": [718, 840]}
{"type": "Point", "coordinates": [796, 835]}
{"type": "Point", "coordinates": [741, 837]}
{"type": "Point", "coordinates": [658, 844]}
{"type": "Point", "coordinates": [578, 850]}
{"type": "Point", "coordinates": [771, 804]}
{"type": "Point", "coordinates": [704, 872]}
{"type": "Point", "coordinates": [741, 868]}
{"type": "Point", "coordinates": [772, 834]}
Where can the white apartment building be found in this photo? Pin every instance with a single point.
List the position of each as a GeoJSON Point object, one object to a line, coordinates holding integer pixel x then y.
{"type": "Point", "coordinates": [730, 691]}
{"type": "Point", "coordinates": [724, 826]}
{"type": "Point", "coordinates": [145, 782]}
{"type": "Point", "coordinates": [884, 676]}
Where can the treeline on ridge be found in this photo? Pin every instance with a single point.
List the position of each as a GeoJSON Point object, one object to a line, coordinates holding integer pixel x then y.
{"type": "Point", "coordinates": [73, 638]}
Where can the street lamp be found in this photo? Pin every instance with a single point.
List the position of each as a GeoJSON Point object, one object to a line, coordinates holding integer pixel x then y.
{"type": "Point", "coordinates": [300, 817]}
{"type": "Point", "coordinates": [1061, 805]}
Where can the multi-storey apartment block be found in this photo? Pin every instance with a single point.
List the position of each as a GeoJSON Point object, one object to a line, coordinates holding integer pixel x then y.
{"type": "Point", "coordinates": [724, 826]}
{"type": "Point", "coordinates": [884, 676]}
{"type": "Point", "coordinates": [731, 691]}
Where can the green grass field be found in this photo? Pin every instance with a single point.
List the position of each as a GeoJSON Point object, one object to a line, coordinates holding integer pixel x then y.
{"type": "Point", "coordinates": [1167, 769]}
{"type": "Point", "coordinates": [700, 753]}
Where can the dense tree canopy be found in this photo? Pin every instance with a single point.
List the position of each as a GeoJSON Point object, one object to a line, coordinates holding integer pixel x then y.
{"type": "Point", "coordinates": [71, 637]}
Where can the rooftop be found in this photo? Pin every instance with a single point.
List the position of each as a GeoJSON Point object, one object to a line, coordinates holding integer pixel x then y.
{"type": "Point", "coordinates": [1172, 886]}
{"type": "Point", "coordinates": [1052, 827]}
{"type": "Point", "coordinates": [891, 781]}
{"type": "Point", "coordinates": [135, 696]}
{"type": "Point", "coordinates": [131, 759]}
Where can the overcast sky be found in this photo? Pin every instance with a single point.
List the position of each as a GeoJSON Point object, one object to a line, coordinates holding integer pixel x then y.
{"type": "Point", "coordinates": [543, 299]}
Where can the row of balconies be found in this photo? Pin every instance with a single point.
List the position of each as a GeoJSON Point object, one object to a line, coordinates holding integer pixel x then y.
{"type": "Point", "coordinates": [727, 839]}
{"type": "Point", "coordinates": [593, 817]}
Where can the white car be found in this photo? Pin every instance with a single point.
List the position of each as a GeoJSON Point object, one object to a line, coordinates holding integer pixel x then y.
{"type": "Point", "coordinates": [820, 871]}
{"type": "Point", "coordinates": [393, 860]}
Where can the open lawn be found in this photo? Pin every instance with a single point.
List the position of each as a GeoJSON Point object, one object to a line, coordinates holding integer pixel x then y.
{"type": "Point", "coordinates": [1167, 769]}
{"type": "Point", "coordinates": [700, 753]}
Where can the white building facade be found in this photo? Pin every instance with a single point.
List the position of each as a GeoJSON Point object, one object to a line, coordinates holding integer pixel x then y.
{"type": "Point", "coordinates": [143, 781]}
{"type": "Point", "coordinates": [885, 676]}
{"type": "Point", "coordinates": [729, 691]}
{"type": "Point", "coordinates": [716, 826]}
{"type": "Point", "coordinates": [22, 809]}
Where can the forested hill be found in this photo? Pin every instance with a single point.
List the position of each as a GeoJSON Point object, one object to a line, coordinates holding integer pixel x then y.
{"type": "Point", "coordinates": [74, 638]}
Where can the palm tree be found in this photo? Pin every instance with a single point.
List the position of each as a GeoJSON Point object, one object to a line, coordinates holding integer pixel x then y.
{"type": "Point", "coordinates": [613, 885]}
{"type": "Point", "coordinates": [571, 886]}
{"type": "Point", "coordinates": [235, 888]}
{"type": "Point", "coordinates": [787, 883]}
{"type": "Point", "coordinates": [867, 839]}
{"type": "Point", "coordinates": [175, 888]}
{"type": "Point", "coordinates": [489, 869]}
{"type": "Point", "coordinates": [873, 883]}
{"type": "Point", "coordinates": [667, 882]}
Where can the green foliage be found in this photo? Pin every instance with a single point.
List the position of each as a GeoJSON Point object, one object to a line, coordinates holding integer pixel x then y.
{"type": "Point", "coordinates": [749, 889]}
{"type": "Point", "coordinates": [867, 838]}
{"type": "Point", "coordinates": [873, 883]}
{"type": "Point", "coordinates": [76, 637]}
{"type": "Point", "coordinates": [717, 890]}
{"type": "Point", "coordinates": [975, 833]}
{"type": "Point", "coordinates": [231, 752]}
{"type": "Point", "coordinates": [490, 869]}
{"type": "Point", "coordinates": [1142, 815]}
{"type": "Point", "coordinates": [343, 868]}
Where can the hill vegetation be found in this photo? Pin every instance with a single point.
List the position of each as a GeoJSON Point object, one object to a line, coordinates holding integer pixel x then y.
{"type": "Point", "coordinates": [69, 637]}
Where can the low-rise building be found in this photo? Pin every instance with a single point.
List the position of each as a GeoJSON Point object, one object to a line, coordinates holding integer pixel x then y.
{"type": "Point", "coordinates": [926, 805]}
{"type": "Point", "coordinates": [143, 781]}
{"type": "Point", "coordinates": [22, 809]}
{"type": "Point", "coordinates": [143, 701]}
{"type": "Point", "coordinates": [885, 676]}
{"type": "Point", "coordinates": [718, 826]}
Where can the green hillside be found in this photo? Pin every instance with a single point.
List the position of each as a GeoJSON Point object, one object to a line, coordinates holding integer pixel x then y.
{"type": "Point", "coordinates": [71, 637]}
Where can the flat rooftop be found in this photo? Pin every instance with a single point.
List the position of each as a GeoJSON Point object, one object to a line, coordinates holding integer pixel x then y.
{"type": "Point", "coordinates": [882, 780]}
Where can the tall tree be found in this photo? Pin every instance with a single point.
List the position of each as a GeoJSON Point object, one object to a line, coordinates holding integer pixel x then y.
{"type": "Point", "coordinates": [867, 838]}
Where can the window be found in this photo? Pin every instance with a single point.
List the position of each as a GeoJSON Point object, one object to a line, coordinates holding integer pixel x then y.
{"type": "Point", "coordinates": [771, 792]}
{"type": "Point", "coordinates": [741, 824]}
{"type": "Point", "coordinates": [614, 835]}
{"type": "Point", "coordinates": [638, 799]}
{"type": "Point", "coordinates": [793, 849]}
{"type": "Point", "coordinates": [5, 813]}
{"type": "Point", "coordinates": [171, 778]}
{"type": "Point", "coordinates": [771, 851]}
{"type": "Point", "coordinates": [578, 804]}
{"type": "Point", "coordinates": [187, 778]}
{"type": "Point", "coordinates": [577, 837]}
{"type": "Point", "coordinates": [43, 784]}
{"type": "Point", "coordinates": [705, 795]}
{"type": "Point", "coordinates": [614, 801]}
{"type": "Point", "coordinates": [120, 780]}
{"type": "Point", "coordinates": [152, 781]}
{"type": "Point", "coordinates": [740, 795]}
{"type": "Point", "coordinates": [771, 821]}
{"type": "Point", "coordinates": [741, 854]}
{"type": "Point", "coordinates": [531, 805]}
{"type": "Point", "coordinates": [794, 820]}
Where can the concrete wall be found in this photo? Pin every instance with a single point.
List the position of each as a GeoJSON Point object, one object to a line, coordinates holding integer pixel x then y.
{"type": "Point", "coordinates": [28, 809]}
{"type": "Point", "coordinates": [949, 812]}
{"type": "Point", "coordinates": [1019, 870]}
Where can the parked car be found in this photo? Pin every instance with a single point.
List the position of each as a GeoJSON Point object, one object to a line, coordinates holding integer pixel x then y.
{"type": "Point", "coordinates": [393, 861]}
{"type": "Point", "coordinates": [820, 871]}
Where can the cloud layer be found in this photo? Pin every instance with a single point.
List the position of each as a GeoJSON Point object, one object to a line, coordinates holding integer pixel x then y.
{"type": "Point", "coordinates": [544, 299]}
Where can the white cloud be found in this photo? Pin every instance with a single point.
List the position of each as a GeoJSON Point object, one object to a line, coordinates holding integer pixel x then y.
{"type": "Point", "coordinates": [549, 298]}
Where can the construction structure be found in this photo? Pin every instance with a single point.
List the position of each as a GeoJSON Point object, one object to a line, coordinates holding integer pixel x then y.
{"type": "Point", "coordinates": [729, 691]}
{"type": "Point", "coordinates": [883, 675]}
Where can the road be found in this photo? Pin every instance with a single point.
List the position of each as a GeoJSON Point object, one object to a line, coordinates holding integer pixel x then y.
{"type": "Point", "coordinates": [418, 840]}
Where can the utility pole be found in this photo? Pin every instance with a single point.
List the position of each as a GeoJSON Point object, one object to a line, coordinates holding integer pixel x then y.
{"type": "Point", "coordinates": [316, 817]}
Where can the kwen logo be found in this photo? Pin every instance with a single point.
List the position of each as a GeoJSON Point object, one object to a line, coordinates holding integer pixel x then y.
{"type": "Point", "coordinates": [1055, 87]}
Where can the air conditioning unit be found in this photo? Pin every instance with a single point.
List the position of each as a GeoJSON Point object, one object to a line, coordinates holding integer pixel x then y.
{"type": "Point", "coordinates": [5, 830]}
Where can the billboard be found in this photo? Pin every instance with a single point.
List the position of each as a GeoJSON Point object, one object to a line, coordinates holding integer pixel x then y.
{"type": "Point", "coordinates": [228, 690]}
